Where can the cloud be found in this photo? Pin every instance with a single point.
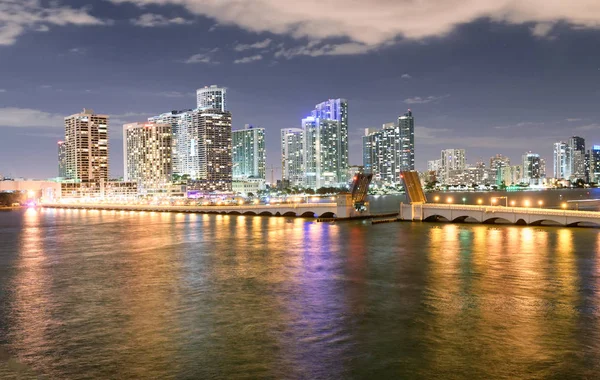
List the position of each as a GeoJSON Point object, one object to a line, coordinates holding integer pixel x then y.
{"type": "Point", "coordinates": [375, 22]}
{"type": "Point", "coordinates": [573, 119]}
{"type": "Point", "coordinates": [521, 125]}
{"type": "Point", "coordinates": [171, 94]}
{"type": "Point", "coordinates": [21, 16]}
{"type": "Point", "coordinates": [318, 48]}
{"type": "Point", "coordinates": [542, 29]}
{"type": "Point", "coordinates": [2, 90]}
{"type": "Point", "coordinates": [428, 133]}
{"type": "Point", "coordinates": [257, 45]}
{"type": "Point", "coordinates": [406, 76]}
{"type": "Point", "coordinates": [26, 117]}
{"type": "Point", "coordinates": [425, 100]}
{"type": "Point", "coordinates": [588, 127]}
{"type": "Point", "coordinates": [253, 58]}
{"type": "Point", "coordinates": [206, 57]}
{"type": "Point", "coordinates": [151, 20]}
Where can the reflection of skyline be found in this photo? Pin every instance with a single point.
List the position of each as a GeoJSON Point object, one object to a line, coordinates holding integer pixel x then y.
{"type": "Point", "coordinates": [157, 293]}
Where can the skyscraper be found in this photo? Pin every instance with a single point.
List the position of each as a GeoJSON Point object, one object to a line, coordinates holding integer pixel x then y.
{"type": "Point", "coordinates": [594, 158]}
{"type": "Point", "coordinates": [381, 155]}
{"type": "Point", "coordinates": [86, 147]}
{"type": "Point", "coordinates": [326, 144]}
{"type": "Point", "coordinates": [531, 167]}
{"type": "Point", "coordinates": [173, 118]}
{"type": "Point", "coordinates": [406, 142]}
{"type": "Point", "coordinates": [292, 156]}
{"type": "Point", "coordinates": [249, 159]}
{"type": "Point", "coordinates": [577, 162]}
{"type": "Point", "coordinates": [62, 159]}
{"type": "Point", "coordinates": [212, 97]}
{"type": "Point", "coordinates": [562, 160]}
{"type": "Point", "coordinates": [147, 155]}
{"type": "Point", "coordinates": [497, 162]}
{"type": "Point", "coordinates": [205, 138]}
{"type": "Point", "coordinates": [453, 162]}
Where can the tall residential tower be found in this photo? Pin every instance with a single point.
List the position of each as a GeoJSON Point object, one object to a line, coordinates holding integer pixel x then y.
{"type": "Point", "coordinates": [249, 158]}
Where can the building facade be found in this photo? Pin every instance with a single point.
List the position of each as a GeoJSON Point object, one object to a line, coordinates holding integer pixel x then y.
{"type": "Point", "coordinates": [205, 143]}
{"type": "Point", "coordinates": [147, 156]}
{"type": "Point", "coordinates": [406, 142]}
{"type": "Point", "coordinates": [249, 154]}
{"type": "Point", "coordinates": [62, 160]}
{"type": "Point", "coordinates": [452, 161]}
{"type": "Point", "coordinates": [562, 160]}
{"type": "Point", "coordinates": [532, 167]}
{"type": "Point", "coordinates": [86, 147]}
{"type": "Point", "coordinates": [577, 149]}
{"type": "Point", "coordinates": [173, 118]}
{"type": "Point", "coordinates": [212, 97]}
{"type": "Point", "coordinates": [292, 156]}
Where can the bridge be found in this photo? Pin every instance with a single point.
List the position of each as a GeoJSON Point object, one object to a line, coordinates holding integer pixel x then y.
{"type": "Point", "coordinates": [312, 210]}
{"type": "Point", "coordinates": [498, 214]}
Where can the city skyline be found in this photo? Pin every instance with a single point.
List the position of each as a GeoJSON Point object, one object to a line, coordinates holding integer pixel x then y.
{"type": "Point", "coordinates": [463, 80]}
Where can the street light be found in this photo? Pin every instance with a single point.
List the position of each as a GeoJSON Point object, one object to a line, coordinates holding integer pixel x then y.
{"type": "Point", "coordinates": [513, 203]}
{"type": "Point", "coordinates": [540, 203]}
{"type": "Point", "coordinates": [564, 205]}
{"type": "Point", "coordinates": [495, 199]}
{"type": "Point", "coordinates": [449, 199]}
{"type": "Point", "coordinates": [436, 198]}
{"type": "Point", "coordinates": [527, 203]}
{"type": "Point", "coordinates": [479, 201]}
{"type": "Point", "coordinates": [464, 200]}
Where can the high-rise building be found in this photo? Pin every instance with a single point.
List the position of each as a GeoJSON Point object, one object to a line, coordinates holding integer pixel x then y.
{"type": "Point", "coordinates": [212, 97]}
{"type": "Point", "coordinates": [326, 144]}
{"type": "Point", "coordinates": [390, 150]}
{"type": "Point", "coordinates": [147, 155]}
{"type": "Point", "coordinates": [249, 157]}
{"type": "Point", "coordinates": [86, 147]}
{"type": "Point", "coordinates": [62, 159]}
{"type": "Point", "coordinates": [381, 156]}
{"type": "Point", "coordinates": [406, 142]}
{"type": "Point", "coordinates": [577, 149]}
{"type": "Point", "coordinates": [292, 156]}
{"type": "Point", "coordinates": [562, 160]}
{"type": "Point", "coordinates": [594, 159]}
{"type": "Point", "coordinates": [205, 138]}
{"type": "Point", "coordinates": [173, 118]}
{"type": "Point", "coordinates": [496, 163]}
{"type": "Point", "coordinates": [453, 162]}
{"type": "Point", "coordinates": [531, 167]}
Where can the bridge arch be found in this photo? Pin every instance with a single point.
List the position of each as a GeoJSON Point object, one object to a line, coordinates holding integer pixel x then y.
{"type": "Point", "coordinates": [437, 218]}
{"type": "Point", "coordinates": [497, 220]}
{"type": "Point", "coordinates": [289, 213]}
{"type": "Point", "coordinates": [584, 224]}
{"type": "Point", "coordinates": [308, 214]}
{"type": "Point", "coordinates": [521, 222]}
{"type": "Point", "coordinates": [266, 213]}
{"type": "Point", "coordinates": [546, 222]}
{"type": "Point", "coordinates": [327, 214]}
{"type": "Point", "coordinates": [234, 213]}
{"type": "Point", "coordinates": [249, 213]}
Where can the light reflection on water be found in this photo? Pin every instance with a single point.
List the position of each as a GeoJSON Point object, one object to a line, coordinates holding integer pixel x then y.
{"type": "Point", "coordinates": [108, 294]}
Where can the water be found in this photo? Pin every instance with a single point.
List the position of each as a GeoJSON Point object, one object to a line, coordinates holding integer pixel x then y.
{"type": "Point", "coordinates": [102, 294]}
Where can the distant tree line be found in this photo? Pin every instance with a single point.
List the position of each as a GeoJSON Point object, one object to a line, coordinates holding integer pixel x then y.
{"type": "Point", "coordinates": [8, 199]}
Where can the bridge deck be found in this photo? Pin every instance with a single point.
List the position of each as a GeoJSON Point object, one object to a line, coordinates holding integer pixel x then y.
{"type": "Point", "coordinates": [483, 214]}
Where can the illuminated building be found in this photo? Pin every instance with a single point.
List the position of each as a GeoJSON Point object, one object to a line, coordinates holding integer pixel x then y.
{"type": "Point", "coordinates": [562, 160]}
{"type": "Point", "coordinates": [173, 118]}
{"type": "Point", "coordinates": [497, 162]}
{"type": "Point", "coordinates": [326, 144]}
{"type": "Point", "coordinates": [453, 161]}
{"type": "Point", "coordinates": [577, 162]}
{"type": "Point", "coordinates": [406, 142]}
{"type": "Point", "coordinates": [86, 147]}
{"type": "Point", "coordinates": [205, 140]}
{"type": "Point", "coordinates": [249, 157]}
{"type": "Point", "coordinates": [390, 150]}
{"type": "Point", "coordinates": [212, 97]}
{"type": "Point", "coordinates": [532, 167]}
{"type": "Point", "coordinates": [594, 159]}
{"type": "Point", "coordinates": [147, 155]}
{"type": "Point", "coordinates": [292, 156]}
{"type": "Point", "coordinates": [62, 160]}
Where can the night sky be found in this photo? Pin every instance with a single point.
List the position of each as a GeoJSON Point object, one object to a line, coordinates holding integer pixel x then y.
{"type": "Point", "coordinates": [490, 76]}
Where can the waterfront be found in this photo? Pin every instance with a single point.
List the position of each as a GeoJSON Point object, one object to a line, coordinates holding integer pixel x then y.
{"type": "Point", "coordinates": [163, 295]}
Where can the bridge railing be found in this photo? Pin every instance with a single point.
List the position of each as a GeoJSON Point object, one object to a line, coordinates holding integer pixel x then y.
{"type": "Point", "coordinates": [515, 210]}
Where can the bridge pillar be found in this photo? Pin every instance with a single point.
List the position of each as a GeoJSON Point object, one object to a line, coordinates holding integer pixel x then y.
{"type": "Point", "coordinates": [345, 207]}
